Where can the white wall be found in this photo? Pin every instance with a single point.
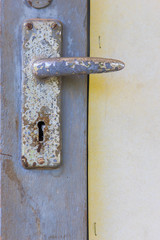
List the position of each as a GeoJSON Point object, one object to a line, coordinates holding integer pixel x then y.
{"type": "Point", "coordinates": [124, 122]}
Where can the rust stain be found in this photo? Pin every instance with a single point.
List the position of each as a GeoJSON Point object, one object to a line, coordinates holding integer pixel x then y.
{"type": "Point", "coordinates": [38, 223]}
{"type": "Point", "coordinates": [39, 147]}
{"type": "Point", "coordinates": [34, 164]}
{"type": "Point", "coordinates": [30, 3]}
{"type": "Point", "coordinates": [29, 26]}
{"type": "Point", "coordinates": [24, 161]}
{"type": "Point", "coordinates": [4, 154]}
{"type": "Point", "coordinates": [17, 124]}
{"type": "Point", "coordinates": [57, 152]}
{"type": "Point", "coordinates": [54, 25]}
{"type": "Point", "coordinates": [11, 174]}
{"type": "Point", "coordinates": [8, 167]}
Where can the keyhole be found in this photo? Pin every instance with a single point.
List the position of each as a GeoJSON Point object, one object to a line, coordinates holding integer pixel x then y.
{"type": "Point", "coordinates": [41, 126]}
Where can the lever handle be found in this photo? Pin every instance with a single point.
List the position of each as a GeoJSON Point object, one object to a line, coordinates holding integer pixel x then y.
{"type": "Point", "coordinates": [48, 67]}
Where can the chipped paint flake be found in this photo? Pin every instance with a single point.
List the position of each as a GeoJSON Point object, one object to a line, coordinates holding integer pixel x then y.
{"type": "Point", "coordinates": [41, 98]}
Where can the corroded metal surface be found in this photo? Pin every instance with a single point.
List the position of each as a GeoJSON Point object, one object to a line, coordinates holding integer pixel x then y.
{"type": "Point", "coordinates": [66, 66]}
{"type": "Point", "coordinates": [40, 101]}
{"type": "Point", "coordinates": [39, 3]}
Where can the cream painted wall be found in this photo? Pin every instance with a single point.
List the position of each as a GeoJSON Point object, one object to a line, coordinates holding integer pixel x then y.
{"type": "Point", "coordinates": [124, 122]}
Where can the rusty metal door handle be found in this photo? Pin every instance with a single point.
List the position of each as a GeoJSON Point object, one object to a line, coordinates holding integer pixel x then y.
{"type": "Point", "coordinates": [41, 100]}
{"type": "Point", "coordinates": [48, 67]}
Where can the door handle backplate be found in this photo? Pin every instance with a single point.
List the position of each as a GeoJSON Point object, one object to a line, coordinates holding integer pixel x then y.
{"type": "Point", "coordinates": [41, 101]}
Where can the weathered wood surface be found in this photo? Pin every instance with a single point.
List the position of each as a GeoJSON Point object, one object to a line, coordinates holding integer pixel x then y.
{"type": "Point", "coordinates": [44, 204]}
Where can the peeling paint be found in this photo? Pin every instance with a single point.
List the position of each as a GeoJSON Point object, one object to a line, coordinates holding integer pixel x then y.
{"type": "Point", "coordinates": [41, 100]}
{"type": "Point", "coordinates": [45, 68]}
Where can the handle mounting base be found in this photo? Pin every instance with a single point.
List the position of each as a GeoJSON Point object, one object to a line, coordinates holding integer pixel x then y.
{"type": "Point", "coordinates": [41, 101]}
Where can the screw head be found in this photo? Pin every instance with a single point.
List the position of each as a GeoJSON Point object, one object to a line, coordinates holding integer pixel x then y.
{"type": "Point", "coordinates": [39, 4]}
{"type": "Point", "coordinates": [40, 160]}
{"type": "Point", "coordinates": [54, 25]}
{"type": "Point", "coordinates": [29, 26]}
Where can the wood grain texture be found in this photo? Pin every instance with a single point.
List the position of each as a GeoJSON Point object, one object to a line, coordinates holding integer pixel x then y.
{"type": "Point", "coordinates": [49, 204]}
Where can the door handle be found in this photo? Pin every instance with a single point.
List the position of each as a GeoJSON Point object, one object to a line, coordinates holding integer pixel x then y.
{"type": "Point", "coordinates": [48, 67]}
{"type": "Point", "coordinates": [42, 68]}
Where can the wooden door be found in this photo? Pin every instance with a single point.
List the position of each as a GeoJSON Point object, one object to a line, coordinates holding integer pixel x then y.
{"type": "Point", "coordinates": [43, 204]}
{"type": "Point", "coordinates": [124, 122]}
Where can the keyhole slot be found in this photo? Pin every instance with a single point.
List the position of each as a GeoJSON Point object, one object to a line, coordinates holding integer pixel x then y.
{"type": "Point", "coordinates": [41, 126]}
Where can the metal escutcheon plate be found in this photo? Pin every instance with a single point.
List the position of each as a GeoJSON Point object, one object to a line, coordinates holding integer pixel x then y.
{"type": "Point", "coordinates": [41, 99]}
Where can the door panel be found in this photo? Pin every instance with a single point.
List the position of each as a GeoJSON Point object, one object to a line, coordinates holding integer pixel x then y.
{"type": "Point", "coordinates": [44, 204]}
{"type": "Point", "coordinates": [124, 126]}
